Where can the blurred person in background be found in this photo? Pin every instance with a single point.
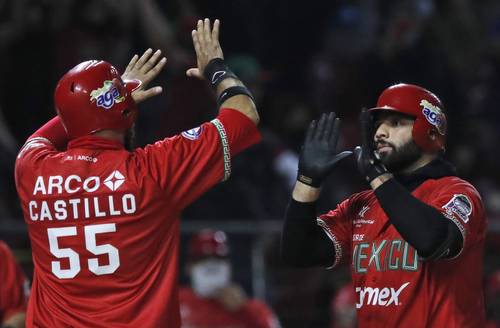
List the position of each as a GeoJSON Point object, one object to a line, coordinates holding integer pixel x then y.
{"type": "Point", "coordinates": [492, 291]}
{"type": "Point", "coordinates": [8, 148]}
{"type": "Point", "coordinates": [416, 235]}
{"type": "Point", "coordinates": [96, 206]}
{"type": "Point", "coordinates": [213, 300]}
{"type": "Point", "coordinates": [343, 308]}
{"type": "Point", "coordinates": [14, 290]}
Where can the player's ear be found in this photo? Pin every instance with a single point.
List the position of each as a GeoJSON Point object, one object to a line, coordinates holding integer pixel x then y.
{"type": "Point", "coordinates": [433, 134]}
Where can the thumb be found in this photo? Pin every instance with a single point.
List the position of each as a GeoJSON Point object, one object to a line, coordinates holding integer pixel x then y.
{"type": "Point", "coordinates": [141, 95]}
{"type": "Point", "coordinates": [338, 158]}
{"type": "Point", "coordinates": [194, 72]}
{"type": "Point", "coordinates": [357, 152]}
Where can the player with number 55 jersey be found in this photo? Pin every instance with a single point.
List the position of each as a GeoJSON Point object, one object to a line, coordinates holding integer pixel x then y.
{"type": "Point", "coordinates": [103, 218]}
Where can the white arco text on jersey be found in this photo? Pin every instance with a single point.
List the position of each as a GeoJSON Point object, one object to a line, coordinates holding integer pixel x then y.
{"type": "Point", "coordinates": [76, 200]}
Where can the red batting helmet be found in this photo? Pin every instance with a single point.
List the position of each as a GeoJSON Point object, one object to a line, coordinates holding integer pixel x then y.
{"type": "Point", "coordinates": [92, 97]}
{"type": "Point", "coordinates": [208, 243]}
{"type": "Point", "coordinates": [424, 106]}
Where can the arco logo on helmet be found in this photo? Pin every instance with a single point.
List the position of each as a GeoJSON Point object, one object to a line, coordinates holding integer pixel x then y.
{"type": "Point", "coordinates": [107, 95]}
{"type": "Point", "coordinates": [434, 115]}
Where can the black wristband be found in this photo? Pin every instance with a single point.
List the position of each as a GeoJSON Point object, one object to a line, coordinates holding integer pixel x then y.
{"type": "Point", "coordinates": [216, 71]}
{"type": "Point", "coordinates": [316, 183]}
{"type": "Point", "coordinates": [375, 171]}
{"type": "Point", "coordinates": [231, 92]}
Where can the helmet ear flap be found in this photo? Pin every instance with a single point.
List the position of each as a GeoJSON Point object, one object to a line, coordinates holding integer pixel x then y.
{"type": "Point", "coordinates": [426, 137]}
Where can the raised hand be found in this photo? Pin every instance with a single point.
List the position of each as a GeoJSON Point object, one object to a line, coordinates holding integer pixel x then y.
{"type": "Point", "coordinates": [206, 45]}
{"type": "Point", "coordinates": [319, 152]}
{"type": "Point", "coordinates": [145, 69]}
{"type": "Point", "coordinates": [369, 164]}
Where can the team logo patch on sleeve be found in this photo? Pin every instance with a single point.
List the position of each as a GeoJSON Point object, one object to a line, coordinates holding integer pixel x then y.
{"type": "Point", "coordinates": [193, 134]}
{"type": "Point", "coordinates": [459, 205]}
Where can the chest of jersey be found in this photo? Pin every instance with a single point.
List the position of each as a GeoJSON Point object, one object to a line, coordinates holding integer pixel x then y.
{"type": "Point", "coordinates": [377, 246]}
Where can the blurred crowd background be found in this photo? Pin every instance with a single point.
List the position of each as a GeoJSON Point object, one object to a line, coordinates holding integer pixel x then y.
{"type": "Point", "coordinates": [300, 59]}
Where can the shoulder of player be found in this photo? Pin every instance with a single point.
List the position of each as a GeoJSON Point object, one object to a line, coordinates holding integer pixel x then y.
{"type": "Point", "coordinates": [6, 255]}
{"type": "Point", "coordinates": [456, 184]}
{"type": "Point", "coordinates": [33, 147]}
{"type": "Point", "coordinates": [353, 202]}
{"type": "Point", "coordinates": [4, 248]}
{"type": "Point", "coordinates": [190, 135]}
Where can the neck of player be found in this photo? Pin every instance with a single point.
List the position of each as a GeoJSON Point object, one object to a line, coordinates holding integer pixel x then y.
{"type": "Point", "coordinates": [111, 134]}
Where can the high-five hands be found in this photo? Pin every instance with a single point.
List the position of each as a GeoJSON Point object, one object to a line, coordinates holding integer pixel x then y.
{"type": "Point", "coordinates": [145, 69]}
{"type": "Point", "coordinates": [319, 152]}
{"type": "Point", "coordinates": [206, 45]}
{"type": "Point", "coordinates": [369, 164]}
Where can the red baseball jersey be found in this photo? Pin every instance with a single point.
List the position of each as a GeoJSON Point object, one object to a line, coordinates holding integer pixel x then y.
{"type": "Point", "coordinates": [394, 287]}
{"type": "Point", "coordinates": [200, 312]}
{"type": "Point", "coordinates": [104, 222]}
{"type": "Point", "coordinates": [14, 286]}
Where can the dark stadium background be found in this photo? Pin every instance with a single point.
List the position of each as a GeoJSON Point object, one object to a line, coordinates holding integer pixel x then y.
{"type": "Point", "coordinates": [300, 59]}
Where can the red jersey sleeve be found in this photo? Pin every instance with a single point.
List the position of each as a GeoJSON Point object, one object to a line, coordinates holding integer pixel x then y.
{"type": "Point", "coordinates": [187, 165]}
{"type": "Point", "coordinates": [337, 224]}
{"type": "Point", "coordinates": [13, 286]}
{"type": "Point", "coordinates": [461, 203]}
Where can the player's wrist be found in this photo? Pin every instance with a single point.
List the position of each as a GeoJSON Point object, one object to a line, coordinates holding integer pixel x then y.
{"type": "Point", "coordinates": [224, 81]}
{"type": "Point", "coordinates": [309, 180]}
{"type": "Point", "coordinates": [217, 71]}
{"type": "Point", "coordinates": [380, 180]}
{"type": "Point", "coordinates": [305, 193]}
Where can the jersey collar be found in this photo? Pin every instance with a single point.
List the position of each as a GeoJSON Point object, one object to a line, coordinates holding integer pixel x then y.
{"type": "Point", "coordinates": [94, 142]}
{"type": "Point", "coordinates": [436, 169]}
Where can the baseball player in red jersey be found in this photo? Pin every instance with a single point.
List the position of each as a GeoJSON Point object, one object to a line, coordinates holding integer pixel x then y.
{"type": "Point", "coordinates": [415, 240]}
{"type": "Point", "coordinates": [104, 220]}
{"type": "Point", "coordinates": [213, 301]}
{"type": "Point", "coordinates": [14, 288]}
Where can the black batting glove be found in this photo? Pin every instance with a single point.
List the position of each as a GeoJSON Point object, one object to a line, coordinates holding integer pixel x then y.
{"type": "Point", "coordinates": [318, 155]}
{"type": "Point", "coordinates": [369, 164]}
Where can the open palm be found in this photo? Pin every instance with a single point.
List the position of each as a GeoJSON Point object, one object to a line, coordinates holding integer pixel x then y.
{"type": "Point", "coordinates": [145, 69]}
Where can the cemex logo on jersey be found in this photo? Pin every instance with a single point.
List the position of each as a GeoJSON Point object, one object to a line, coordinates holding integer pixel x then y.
{"type": "Point", "coordinates": [434, 115]}
{"type": "Point", "coordinates": [108, 95]}
{"type": "Point", "coordinates": [379, 296]}
{"type": "Point", "coordinates": [459, 205]}
{"type": "Point", "coordinates": [361, 215]}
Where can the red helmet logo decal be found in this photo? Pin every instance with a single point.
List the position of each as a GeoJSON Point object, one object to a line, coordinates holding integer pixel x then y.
{"type": "Point", "coordinates": [434, 115]}
{"type": "Point", "coordinates": [109, 94]}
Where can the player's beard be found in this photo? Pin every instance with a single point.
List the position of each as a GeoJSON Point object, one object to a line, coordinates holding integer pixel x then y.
{"type": "Point", "coordinates": [130, 139]}
{"type": "Point", "coordinates": [401, 157]}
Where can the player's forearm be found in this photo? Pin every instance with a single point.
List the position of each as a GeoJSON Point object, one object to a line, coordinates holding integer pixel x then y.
{"type": "Point", "coordinates": [242, 103]}
{"type": "Point", "coordinates": [421, 225]}
{"type": "Point", "coordinates": [303, 242]}
{"type": "Point", "coordinates": [53, 131]}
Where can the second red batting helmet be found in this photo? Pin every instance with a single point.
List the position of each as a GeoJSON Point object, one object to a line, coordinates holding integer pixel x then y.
{"type": "Point", "coordinates": [92, 97]}
{"type": "Point", "coordinates": [424, 106]}
{"type": "Point", "coordinates": [208, 243]}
